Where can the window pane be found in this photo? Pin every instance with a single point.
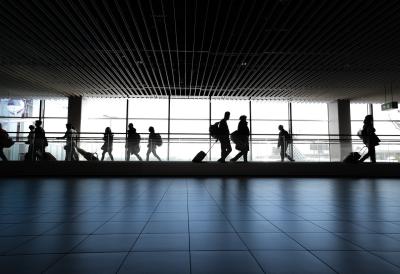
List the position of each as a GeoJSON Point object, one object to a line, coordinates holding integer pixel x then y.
{"type": "Point", "coordinates": [275, 110]}
{"type": "Point", "coordinates": [56, 108]}
{"type": "Point", "coordinates": [19, 107]}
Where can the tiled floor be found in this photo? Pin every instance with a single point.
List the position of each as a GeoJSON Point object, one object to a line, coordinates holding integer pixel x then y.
{"type": "Point", "coordinates": [152, 225]}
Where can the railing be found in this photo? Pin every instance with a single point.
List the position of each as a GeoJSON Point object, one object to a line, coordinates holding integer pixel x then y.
{"type": "Point", "coordinates": [184, 146]}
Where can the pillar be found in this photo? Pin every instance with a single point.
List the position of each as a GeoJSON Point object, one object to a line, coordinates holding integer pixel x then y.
{"type": "Point", "coordinates": [75, 111]}
{"type": "Point", "coordinates": [339, 123]}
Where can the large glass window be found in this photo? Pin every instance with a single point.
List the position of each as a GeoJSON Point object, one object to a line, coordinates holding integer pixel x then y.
{"type": "Point", "coordinates": [189, 128]}
{"type": "Point", "coordinates": [237, 108]}
{"type": "Point", "coordinates": [17, 115]}
{"type": "Point", "coordinates": [144, 113]}
{"type": "Point", "coordinates": [358, 111]}
{"type": "Point", "coordinates": [310, 131]}
{"type": "Point", "coordinates": [266, 117]}
{"type": "Point", "coordinates": [97, 114]}
{"type": "Point", "coordinates": [387, 125]}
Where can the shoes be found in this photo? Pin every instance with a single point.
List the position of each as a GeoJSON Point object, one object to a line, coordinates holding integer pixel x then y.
{"type": "Point", "coordinates": [232, 160]}
{"type": "Point", "coordinates": [221, 161]}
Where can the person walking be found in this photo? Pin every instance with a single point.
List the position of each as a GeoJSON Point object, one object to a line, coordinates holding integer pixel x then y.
{"type": "Point", "coordinates": [30, 142]}
{"type": "Point", "coordinates": [108, 139]}
{"type": "Point", "coordinates": [223, 137]}
{"type": "Point", "coordinates": [3, 139]}
{"type": "Point", "coordinates": [154, 140]}
{"type": "Point", "coordinates": [40, 143]}
{"type": "Point", "coordinates": [70, 147]}
{"type": "Point", "coordinates": [284, 139]}
{"type": "Point", "coordinates": [242, 143]}
{"type": "Point", "coordinates": [133, 143]}
{"type": "Point", "coordinates": [370, 139]}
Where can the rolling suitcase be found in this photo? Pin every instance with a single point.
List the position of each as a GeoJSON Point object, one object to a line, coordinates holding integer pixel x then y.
{"type": "Point", "coordinates": [354, 157]}
{"type": "Point", "coordinates": [201, 155]}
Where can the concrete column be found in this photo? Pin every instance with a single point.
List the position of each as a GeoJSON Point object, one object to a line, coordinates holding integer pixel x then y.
{"type": "Point", "coordinates": [75, 112]}
{"type": "Point", "coordinates": [339, 123]}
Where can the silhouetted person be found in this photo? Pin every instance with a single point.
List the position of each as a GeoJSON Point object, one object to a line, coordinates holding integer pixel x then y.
{"type": "Point", "coordinates": [223, 131]}
{"type": "Point", "coordinates": [70, 147]}
{"type": "Point", "coordinates": [152, 146]}
{"type": "Point", "coordinates": [284, 140]}
{"type": "Point", "coordinates": [108, 143]}
{"type": "Point", "coordinates": [3, 140]}
{"type": "Point", "coordinates": [369, 138]}
{"type": "Point", "coordinates": [40, 142]}
{"type": "Point", "coordinates": [243, 139]}
{"type": "Point", "coordinates": [30, 142]}
{"type": "Point", "coordinates": [133, 143]}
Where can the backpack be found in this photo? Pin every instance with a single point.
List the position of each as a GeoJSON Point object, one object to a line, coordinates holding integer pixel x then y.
{"type": "Point", "coordinates": [157, 140]}
{"type": "Point", "coordinates": [214, 130]}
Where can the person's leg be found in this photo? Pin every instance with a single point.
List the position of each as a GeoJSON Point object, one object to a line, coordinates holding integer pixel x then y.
{"type": "Point", "coordinates": [282, 153]}
{"type": "Point", "coordinates": [68, 153]}
{"type": "Point", "coordinates": [103, 154]}
{"type": "Point", "coordinates": [138, 156]}
{"type": "Point", "coordinates": [155, 154]}
{"type": "Point", "coordinates": [222, 150]}
{"type": "Point", "coordinates": [127, 155]}
{"type": "Point", "coordinates": [111, 156]}
{"type": "Point", "coordinates": [287, 155]}
{"type": "Point", "coordinates": [148, 153]}
{"type": "Point", "coordinates": [228, 148]}
{"type": "Point", "coordinates": [372, 154]}
{"type": "Point", "coordinates": [234, 159]}
{"type": "Point", "coordinates": [245, 156]}
{"type": "Point", "coordinates": [365, 156]}
{"type": "Point", "coordinates": [2, 156]}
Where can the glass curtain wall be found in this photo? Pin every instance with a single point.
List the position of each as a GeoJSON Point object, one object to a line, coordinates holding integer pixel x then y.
{"type": "Point", "coordinates": [310, 130]}
{"type": "Point", "coordinates": [358, 111]}
{"type": "Point", "coordinates": [387, 125]}
{"type": "Point", "coordinates": [97, 114]}
{"type": "Point", "coordinates": [190, 119]}
{"type": "Point", "coordinates": [237, 108]}
{"type": "Point", "coordinates": [16, 115]}
{"type": "Point", "coordinates": [144, 113]}
{"type": "Point", "coordinates": [266, 117]}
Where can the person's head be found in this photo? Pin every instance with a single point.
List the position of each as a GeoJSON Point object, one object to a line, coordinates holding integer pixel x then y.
{"type": "Point", "coordinates": [280, 127]}
{"type": "Point", "coordinates": [31, 127]}
{"type": "Point", "coordinates": [68, 126]}
{"type": "Point", "coordinates": [243, 118]}
{"type": "Point", "coordinates": [368, 119]}
{"type": "Point", "coordinates": [130, 126]}
{"type": "Point", "coordinates": [108, 130]}
{"type": "Point", "coordinates": [38, 123]}
{"type": "Point", "coordinates": [151, 129]}
{"type": "Point", "coordinates": [227, 115]}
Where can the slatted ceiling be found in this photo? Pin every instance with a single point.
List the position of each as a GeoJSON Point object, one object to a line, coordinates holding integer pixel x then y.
{"type": "Point", "coordinates": [301, 50]}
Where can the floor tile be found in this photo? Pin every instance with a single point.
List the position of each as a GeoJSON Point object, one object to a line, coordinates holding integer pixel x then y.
{"type": "Point", "coordinates": [220, 262]}
{"type": "Point", "coordinates": [156, 262]}
{"type": "Point", "coordinates": [297, 226]}
{"type": "Point", "coordinates": [49, 244]}
{"type": "Point", "coordinates": [291, 262]}
{"type": "Point", "coordinates": [375, 242]}
{"type": "Point", "coordinates": [166, 227]}
{"type": "Point", "coordinates": [322, 241]}
{"type": "Point", "coordinates": [162, 242]}
{"type": "Point", "coordinates": [253, 226]}
{"type": "Point", "coordinates": [27, 229]}
{"type": "Point", "coordinates": [216, 241]}
{"type": "Point", "coordinates": [107, 243]}
{"type": "Point", "coordinates": [210, 226]}
{"type": "Point", "coordinates": [269, 241]}
{"type": "Point", "coordinates": [98, 263]}
{"type": "Point", "coordinates": [393, 257]}
{"type": "Point", "coordinates": [349, 262]}
{"type": "Point", "coordinates": [75, 228]}
{"type": "Point", "coordinates": [9, 243]}
{"type": "Point", "coordinates": [121, 228]}
{"type": "Point", "coordinates": [27, 264]}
